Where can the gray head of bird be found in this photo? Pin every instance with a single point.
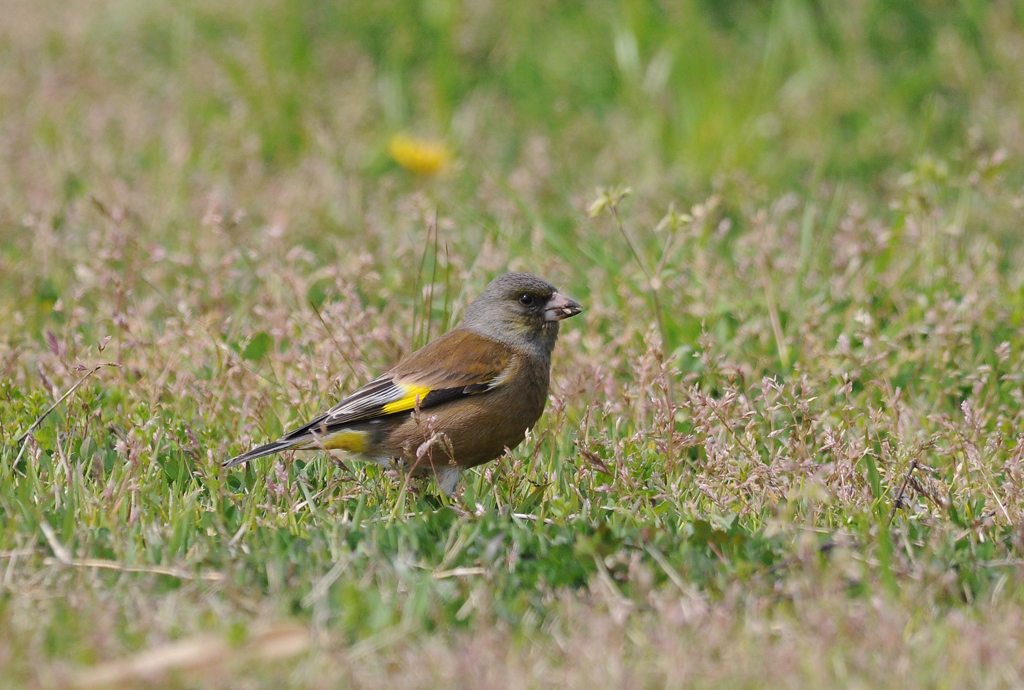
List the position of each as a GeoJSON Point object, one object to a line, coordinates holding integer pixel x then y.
{"type": "Point", "coordinates": [520, 309]}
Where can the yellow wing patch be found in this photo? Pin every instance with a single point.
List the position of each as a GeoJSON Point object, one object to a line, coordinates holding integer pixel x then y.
{"type": "Point", "coordinates": [411, 393]}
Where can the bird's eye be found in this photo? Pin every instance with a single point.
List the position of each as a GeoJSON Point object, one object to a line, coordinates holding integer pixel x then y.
{"type": "Point", "coordinates": [526, 300]}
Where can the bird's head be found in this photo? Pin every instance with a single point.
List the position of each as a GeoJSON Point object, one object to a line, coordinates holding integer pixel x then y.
{"type": "Point", "coordinates": [520, 309]}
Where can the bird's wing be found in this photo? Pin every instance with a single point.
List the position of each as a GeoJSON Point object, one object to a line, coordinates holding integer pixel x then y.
{"type": "Point", "coordinates": [457, 364]}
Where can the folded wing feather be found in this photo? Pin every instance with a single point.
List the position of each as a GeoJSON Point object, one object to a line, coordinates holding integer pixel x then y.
{"type": "Point", "coordinates": [457, 364]}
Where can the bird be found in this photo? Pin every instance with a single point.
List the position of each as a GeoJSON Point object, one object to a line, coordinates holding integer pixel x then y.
{"type": "Point", "coordinates": [459, 401]}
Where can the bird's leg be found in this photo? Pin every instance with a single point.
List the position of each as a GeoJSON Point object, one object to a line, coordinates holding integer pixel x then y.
{"type": "Point", "coordinates": [448, 479]}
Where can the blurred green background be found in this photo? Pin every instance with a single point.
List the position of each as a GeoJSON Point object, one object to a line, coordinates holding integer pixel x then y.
{"type": "Point", "coordinates": [673, 97]}
{"type": "Point", "coordinates": [787, 91]}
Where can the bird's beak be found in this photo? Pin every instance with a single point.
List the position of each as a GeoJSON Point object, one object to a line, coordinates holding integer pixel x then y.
{"type": "Point", "coordinates": [561, 307]}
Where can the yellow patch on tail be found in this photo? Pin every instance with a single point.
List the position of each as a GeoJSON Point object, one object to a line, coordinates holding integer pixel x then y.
{"type": "Point", "coordinates": [407, 401]}
{"type": "Point", "coordinates": [347, 440]}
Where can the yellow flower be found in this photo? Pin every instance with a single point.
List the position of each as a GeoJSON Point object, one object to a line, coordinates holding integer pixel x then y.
{"type": "Point", "coordinates": [418, 155]}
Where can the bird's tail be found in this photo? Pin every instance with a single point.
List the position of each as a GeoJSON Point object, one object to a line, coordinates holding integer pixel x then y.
{"type": "Point", "coordinates": [261, 451]}
{"type": "Point", "coordinates": [304, 438]}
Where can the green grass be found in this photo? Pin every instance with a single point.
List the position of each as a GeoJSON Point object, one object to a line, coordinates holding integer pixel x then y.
{"type": "Point", "coordinates": [784, 442]}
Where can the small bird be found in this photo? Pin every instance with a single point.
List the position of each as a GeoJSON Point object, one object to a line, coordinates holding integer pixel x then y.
{"type": "Point", "coordinates": [459, 401]}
